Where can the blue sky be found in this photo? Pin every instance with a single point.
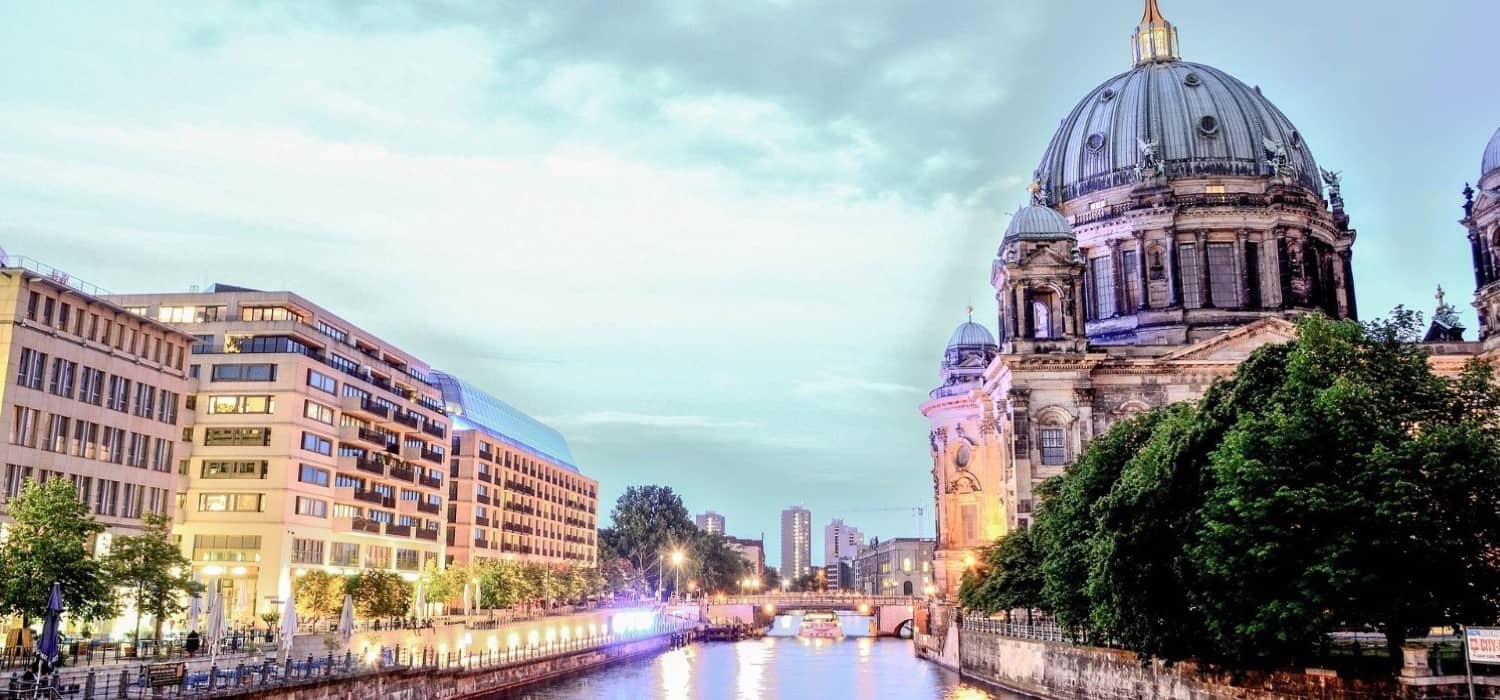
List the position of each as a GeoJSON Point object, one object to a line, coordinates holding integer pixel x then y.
{"type": "Point", "coordinates": [719, 245]}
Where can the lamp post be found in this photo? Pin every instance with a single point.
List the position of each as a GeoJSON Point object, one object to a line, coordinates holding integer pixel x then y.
{"type": "Point", "coordinates": [676, 571]}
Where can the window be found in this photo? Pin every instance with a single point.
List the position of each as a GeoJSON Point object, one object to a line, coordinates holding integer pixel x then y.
{"type": "Point", "coordinates": [307, 551]}
{"type": "Point", "coordinates": [167, 413]}
{"type": "Point", "coordinates": [344, 481]}
{"type": "Point", "coordinates": [29, 372]}
{"type": "Point", "coordinates": [1041, 318]}
{"type": "Point", "coordinates": [91, 386]}
{"type": "Point", "coordinates": [15, 476]}
{"type": "Point", "coordinates": [85, 435]}
{"type": "Point", "coordinates": [32, 302]}
{"type": "Point", "coordinates": [317, 443]}
{"type": "Point", "coordinates": [1103, 276]}
{"type": "Point", "coordinates": [345, 511]}
{"type": "Point", "coordinates": [130, 500]}
{"type": "Point", "coordinates": [344, 554]}
{"type": "Point", "coordinates": [139, 449]}
{"type": "Point", "coordinates": [236, 437]}
{"type": "Point", "coordinates": [312, 507]}
{"type": "Point", "coordinates": [241, 404]}
{"type": "Point", "coordinates": [407, 559]}
{"type": "Point", "coordinates": [119, 393]}
{"type": "Point", "coordinates": [226, 547]}
{"type": "Point", "coordinates": [1187, 267]}
{"type": "Point", "coordinates": [145, 400]}
{"type": "Point", "coordinates": [23, 428]}
{"type": "Point", "coordinates": [1052, 446]}
{"type": "Point", "coordinates": [48, 303]}
{"type": "Point", "coordinates": [63, 375]}
{"type": "Point", "coordinates": [1214, 189]}
{"type": "Point", "coordinates": [332, 332]}
{"type": "Point", "coordinates": [229, 502]}
{"type": "Point", "coordinates": [234, 469]}
{"type": "Point", "coordinates": [269, 313]}
{"type": "Point", "coordinates": [321, 382]}
{"type": "Point", "coordinates": [377, 557]}
{"type": "Point", "coordinates": [56, 437]}
{"type": "Point", "coordinates": [64, 315]}
{"type": "Point", "coordinates": [1130, 266]}
{"type": "Point", "coordinates": [107, 497]}
{"type": "Point", "coordinates": [410, 495]}
{"type": "Point", "coordinates": [318, 412]}
{"type": "Point", "coordinates": [244, 373]}
{"type": "Point", "coordinates": [161, 456]}
{"type": "Point", "coordinates": [1223, 282]}
{"type": "Point", "coordinates": [309, 474]}
{"type": "Point", "coordinates": [343, 363]}
{"type": "Point", "coordinates": [112, 447]}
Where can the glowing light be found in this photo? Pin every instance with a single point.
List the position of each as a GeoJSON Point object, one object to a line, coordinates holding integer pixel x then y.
{"type": "Point", "coordinates": [593, 629]}
{"type": "Point", "coordinates": [769, 608]}
{"type": "Point", "coordinates": [513, 641]}
{"type": "Point", "coordinates": [677, 558]}
{"type": "Point", "coordinates": [533, 638]}
{"type": "Point", "coordinates": [494, 643]}
{"type": "Point", "coordinates": [213, 571]}
{"type": "Point", "coordinates": [238, 571]}
{"type": "Point", "coordinates": [551, 634]}
{"type": "Point", "coordinates": [564, 634]}
{"type": "Point", "coordinates": [299, 573]}
{"type": "Point", "coordinates": [864, 608]}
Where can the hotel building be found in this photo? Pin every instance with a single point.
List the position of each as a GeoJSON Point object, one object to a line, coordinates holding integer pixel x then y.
{"type": "Point", "coordinates": [315, 444]}
{"type": "Point", "coordinates": [514, 491]}
{"type": "Point", "coordinates": [91, 393]}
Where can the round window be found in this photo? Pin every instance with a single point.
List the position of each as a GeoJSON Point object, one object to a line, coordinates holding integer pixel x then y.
{"type": "Point", "coordinates": [1095, 142]}
{"type": "Point", "coordinates": [1208, 125]}
{"type": "Point", "coordinates": [964, 454]}
{"type": "Point", "coordinates": [1192, 80]}
{"type": "Point", "coordinates": [1107, 95]}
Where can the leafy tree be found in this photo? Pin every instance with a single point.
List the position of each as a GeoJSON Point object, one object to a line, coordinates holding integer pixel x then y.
{"type": "Point", "coordinates": [44, 544]}
{"type": "Point", "coordinates": [378, 593]}
{"type": "Point", "coordinates": [647, 522]}
{"type": "Point", "coordinates": [623, 579]}
{"type": "Point", "coordinates": [318, 595]}
{"type": "Point", "coordinates": [150, 570]}
{"type": "Point", "coordinates": [771, 579]}
{"type": "Point", "coordinates": [714, 565]}
{"type": "Point", "coordinates": [1007, 577]}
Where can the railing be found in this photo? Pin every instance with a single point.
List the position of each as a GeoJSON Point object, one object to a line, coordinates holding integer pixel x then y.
{"type": "Point", "coordinates": [395, 530]}
{"type": "Point", "coordinates": [375, 497]}
{"type": "Point", "coordinates": [426, 507]}
{"type": "Point", "coordinates": [1046, 631]}
{"type": "Point", "coordinates": [519, 487]}
{"type": "Point", "coordinates": [403, 472]}
{"type": "Point", "coordinates": [409, 420]}
{"type": "Point", "coordinates": [435, 430]}
{"type": "Point", "coordinates": [373, 466]}
{"type": "Point", "coordinates": [519, 508]}
{"type": "Point", "coordinates": [432, 456]}
{"type": "Point", "coordinates": [366, 525]}
{"type": "Point", "coordinates": [55, 275]}
{"type": "Point", "coordinates": [425, 534]}
{"type": "Point", "coordinates": [431, 482]}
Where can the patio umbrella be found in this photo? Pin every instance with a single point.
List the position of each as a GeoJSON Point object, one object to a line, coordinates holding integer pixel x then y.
{"type": "Point", "coordinates": [466, 599]}
{"type": "Point", "coordinates": [194, 611]}
{"type": "Point", "coordinates": [47, 648]}
{"type": "Point", "coordinates": [478, 594]}
{"type": "Point", "coordinates": [289, 622]}
{"type": "Point", "coordinates": [421, 603]}
{"type": "Point", "coordinates": [214, 631]}
{"type": "Point", "coordinates": [242, 601]}
{"type": "Point", "coordinates": [346, 618]}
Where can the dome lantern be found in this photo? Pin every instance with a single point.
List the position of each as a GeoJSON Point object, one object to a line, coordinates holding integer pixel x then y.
{"type": "Point", "coordinates": [1155, 38]}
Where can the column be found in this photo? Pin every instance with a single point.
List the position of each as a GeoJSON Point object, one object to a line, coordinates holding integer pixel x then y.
{"type": "Point", "coordinates": [1479, 276]}
{"type": "Point", "coordinates": [1018, 297]}
{"type": "Point", "coordinates": [1351, 309]}
{"type": "Point", "coordinates": [1174, 280]}
{"type": "Point", "coordinates": [1117, 270]}
{"type": "Point", "coordinates": [1205, 295]}
{"type": "Point", "coordinates": [1087, 299]}
{"type": "Point", "coordinates": [1283, 269]}
{"type": "Point", "coordinates": [1144, 302]}
{"type": "Point", "coordinates": [1240, 237]}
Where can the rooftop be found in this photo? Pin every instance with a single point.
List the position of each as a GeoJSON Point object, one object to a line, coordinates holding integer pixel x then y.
{"type": "Point", "coordinates": [473, 409]}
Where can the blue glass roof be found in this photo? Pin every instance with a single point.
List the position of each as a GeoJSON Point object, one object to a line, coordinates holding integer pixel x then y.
{"type": "Point", "coordinates": [471, 408]}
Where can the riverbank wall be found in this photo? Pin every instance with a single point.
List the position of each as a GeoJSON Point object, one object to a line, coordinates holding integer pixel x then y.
{"type": "Point", "coordinates": [459, 684]}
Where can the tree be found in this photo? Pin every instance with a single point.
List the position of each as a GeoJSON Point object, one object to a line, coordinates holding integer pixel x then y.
{"type": "Point", "coordinates": [44, 544]}
{"type": "Point", "coordinates": [318, 595]}
{"type": "Point", "coordinates": [622, 579]}
{"type": "Point", "coordinates": [150, 570]}
{"type": "Point", "coordinates": [1008, 576]}
{"type": "Point", "coordinates": [648, 521]}
{"type": "Point", "coordinates": [771, 579]}
{"type": "Point", "coordinates": [379, 593]}
{"type": "Point", "coordinates": [714, 565]}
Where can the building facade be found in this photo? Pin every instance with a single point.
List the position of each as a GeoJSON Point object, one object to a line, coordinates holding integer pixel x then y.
{"type": "Point", "coordinates": [898, 566]}
{"type": "Point", "coordinates": [840, 542]}
{"type": "Point", "coordinates": [752, 551]}
{"type": "Point", "coordinates": [710, 522]}
{"type": "Point", "coordinates": [514, 491]}
{"type": "Point", "coordinates": [1177, 222]}
{"type": "Point", "coordinates": [796, 544]}
{"type": "Point", "coordinates": [316, 445]}
{"type": "Point", "coordinates": [91, 393]}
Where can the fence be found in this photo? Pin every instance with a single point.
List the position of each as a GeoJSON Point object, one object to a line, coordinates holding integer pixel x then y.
{"type": "Point", "coordinates": [131, 682]}
{"type": "Point", "coordinates": [113, 654]}
{"type": "Point", "coordinates": [1046, 631]}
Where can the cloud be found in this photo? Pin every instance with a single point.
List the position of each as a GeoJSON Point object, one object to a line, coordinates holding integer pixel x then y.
{"type": "Point", "coordinates": [852, 385]}
{"type": "Point", "coordinates": [646, 420]}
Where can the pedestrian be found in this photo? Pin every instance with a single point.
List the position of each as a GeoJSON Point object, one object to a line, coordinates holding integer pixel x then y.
{"type": "Point", "coordinates": [192, 643]}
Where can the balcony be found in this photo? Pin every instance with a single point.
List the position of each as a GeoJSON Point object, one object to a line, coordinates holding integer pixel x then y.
{"type": "Point", "coordinates": [403, 472]}
{"type": "Point", "coordinates": [364, 464]}
{"type": "Point", "coordinates": [435, 429]}
{"type": "Point", "coordinates": [516, 527]}
{"type": "Point", "coordinates": [481, 544]}
{"type": "Point", "coordinates": [364, 408]}
{"type": "Point", "coordinates": [481, 498]}
{"type": "Point", "coordinates": [411, 452]}
{"type": "Point", "coordinates": [408, 419]}
{"type": "Point", "coordinates": [431, 482]}
{"type": "Point", "coordinates": [485, 477]}
{"type": "Point", "coordinates": [357, 433]}
{"type": "Point", "coordinates": [431, 508]}
{"type": "Point", "coordinates": [518, 508]}
{"type": "Point", "coordinates": [395, 530]}
{"type": "Point", "coordinates": [519, 487]}
{"type": "Point", "coordinates": [375, 497]}
{"type": "Point", "coordinates": [426, 534]}
{"type": "Point", "coordinates": [366, 525]}
{"type": "Point", "coordinates": [481, 521]}
{"type": "Point", "coordinates": [431, 455]}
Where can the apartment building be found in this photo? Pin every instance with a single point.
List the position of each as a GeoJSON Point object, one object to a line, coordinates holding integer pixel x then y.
{"type": "Point", "coordinates": [514, 490]}
{"type": "Point", "coordinates": [796, 543]}
{"type": "Point", "coordinates": [710, 522]}
{"type": "Point", "coordinates": [316, 445]}
{"type": "Point", "coordinates": [91, 393]}
{"type": "Point", "coordinates": [752, 551]}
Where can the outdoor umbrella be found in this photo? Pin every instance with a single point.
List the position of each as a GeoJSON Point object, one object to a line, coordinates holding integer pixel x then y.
{"type": "Point", "coordinates": [466, 599]}
{"type": "Point", "coordinates": [421, 603]}
{"type": "Point", "coordinates": [215, 629]}
{"type": "Point", "coordinates": [194, 611]}
{"type": "Point", "coordinates": [47, 648]}
{"type": "Point", "coordinates": [346, 618]}
{"type": "Point", "coordinates": [242, 601]}
{"type": "Point", "coordinates": [289, 622]}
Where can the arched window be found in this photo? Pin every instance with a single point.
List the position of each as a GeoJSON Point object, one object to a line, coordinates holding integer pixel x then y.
{"type": "Point", "coordinates": [906, 588]}
{"type": "Point", "coordinates": [1041, 316]}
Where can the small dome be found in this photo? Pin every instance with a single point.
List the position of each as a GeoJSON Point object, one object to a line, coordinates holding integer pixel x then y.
{"type": "Point", "coordinates": [1037, 222]}
{"type": "Point", "coordinates": [1491, 156]}
{"type": "Point", "coordinates": [971, 334]}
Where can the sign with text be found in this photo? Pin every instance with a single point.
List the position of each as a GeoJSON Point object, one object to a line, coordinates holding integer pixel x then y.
{"type": "Point", "coordinates": [159, 675]}
{"type": "Point", "coordinates": [1483, 644]}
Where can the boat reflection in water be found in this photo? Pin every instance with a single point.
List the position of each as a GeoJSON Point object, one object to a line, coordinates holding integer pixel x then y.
{"type": "Point", "coordinates": [820, 624]}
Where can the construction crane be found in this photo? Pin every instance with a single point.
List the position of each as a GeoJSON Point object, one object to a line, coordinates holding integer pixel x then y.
{"type": "Point", "coordinates": [916, 511]}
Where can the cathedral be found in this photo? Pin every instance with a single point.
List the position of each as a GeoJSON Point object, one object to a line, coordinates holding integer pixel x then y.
{"type": "Point", "coordinates": [1177, 222]}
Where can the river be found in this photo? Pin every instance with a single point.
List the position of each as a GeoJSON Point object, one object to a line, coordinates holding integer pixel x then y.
{"type": "Point", "coordinates": [769, 668]}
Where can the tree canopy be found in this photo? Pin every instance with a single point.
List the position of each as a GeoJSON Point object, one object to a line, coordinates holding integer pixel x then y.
{"type": "Point", "coordinates": [150, 570]}
{"type": "Point", "coordinates": [45, 543]}
{"type": "Point", "coordinates": [1332, 482]}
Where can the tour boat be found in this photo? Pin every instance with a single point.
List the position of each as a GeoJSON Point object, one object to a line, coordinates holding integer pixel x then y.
{"type": "Point", "coordinates": [821, 625]}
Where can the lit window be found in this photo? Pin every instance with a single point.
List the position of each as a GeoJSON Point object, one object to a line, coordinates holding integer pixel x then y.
{"type": "Point", "coordinates": [1214, 189]}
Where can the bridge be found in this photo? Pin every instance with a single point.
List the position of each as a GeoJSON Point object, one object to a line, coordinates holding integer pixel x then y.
{"type": "Point", "coordinates": [893, 614]}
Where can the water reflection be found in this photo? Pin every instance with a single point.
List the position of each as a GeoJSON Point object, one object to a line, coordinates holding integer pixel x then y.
{"type": "Point", "coordinates": [770, 668]}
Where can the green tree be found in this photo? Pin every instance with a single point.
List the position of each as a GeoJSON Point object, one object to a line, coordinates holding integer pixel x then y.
{"type": "Point", "coordinates": [44, 544]}
{"type": "Point", "coordinates": [319, 595]}
{"type": "Point", "coordinates": [648, 521]}
{"type": "Point", "coordinates": [1007, 577]}
{"type": "Point", "coordinates": [150, 570]}
{"type": "Point", "coordinates": [379, 593]}
{"type": "Point", "coordinates": [714, 565]}
{"type": "Point", "coordinates": [622, 579]}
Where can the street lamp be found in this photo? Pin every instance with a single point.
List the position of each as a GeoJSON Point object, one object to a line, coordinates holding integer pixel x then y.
{"type": "Point", "coordinates": [676, 570]}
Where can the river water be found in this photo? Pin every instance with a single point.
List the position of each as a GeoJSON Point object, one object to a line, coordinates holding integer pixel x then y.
{"type": "Point", "coordinates": [769, 668]}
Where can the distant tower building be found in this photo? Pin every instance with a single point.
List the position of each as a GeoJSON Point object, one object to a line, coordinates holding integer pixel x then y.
{"type": "Point", "coordinates": [796, 543]}
{"type": "Point", "coordinates": [711, 523]}
{"type": "Point", "coordinates": [840, 542]}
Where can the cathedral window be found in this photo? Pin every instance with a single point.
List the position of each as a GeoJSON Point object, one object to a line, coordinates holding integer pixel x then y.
{"type": "Point", "coordinates": [1041, 318]}
{"type": "Point", "coordinates": [1104, 287]}
{"type": "Point", "coordinates": [1223, 282]}
{"type": "Point", "coordinates": [1130, 263]}
{"type": "Point", "coordinates": [1053, 452]}
{"type": "Point", "coordinates": [1187, 267]}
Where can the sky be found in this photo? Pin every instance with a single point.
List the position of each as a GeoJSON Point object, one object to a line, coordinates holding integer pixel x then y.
{"type": "Point", "coordinates": [719, 245]}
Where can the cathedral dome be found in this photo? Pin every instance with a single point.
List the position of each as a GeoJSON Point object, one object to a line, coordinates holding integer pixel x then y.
{"type": "Point", "coordinates": [971, 334]}
{"type": "Point", "coordinates": [1197, 119]}
{"type": "Point", "coordinates": [1037, 222]}
{"type": "Point", "coordinates": [1491, 161]}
